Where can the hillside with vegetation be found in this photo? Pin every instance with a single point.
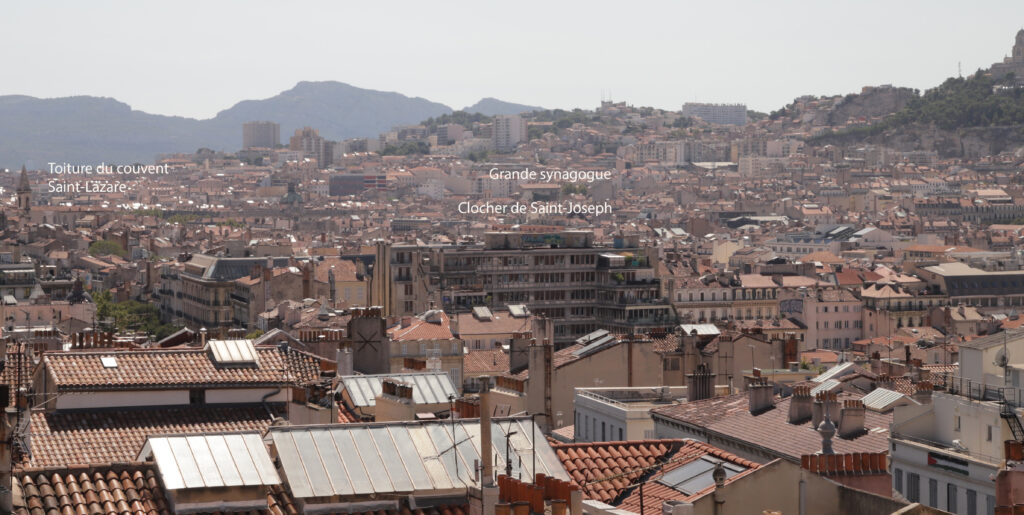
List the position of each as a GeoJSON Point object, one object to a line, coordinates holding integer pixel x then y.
{"type": "Point", "coordinates": [978, 113]}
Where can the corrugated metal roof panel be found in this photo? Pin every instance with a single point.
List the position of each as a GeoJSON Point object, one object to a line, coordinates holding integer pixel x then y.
{"type": "Point", "coordinates": [428, 387]}
{"type": "Point", "coordinates": [827, 386]}
{"type": "Point", "coordinates": [702, 329]}
{"type": "Point", "coordinates": [232, 351]}
{"type": "Point", "coordinates": [211, 461]}
{"type": "Point", "coordinates": [882, 399]}
{"type": "Point", "coordinates": [428, 458]}
{"type": "Point", "coordinates": [836, 371]}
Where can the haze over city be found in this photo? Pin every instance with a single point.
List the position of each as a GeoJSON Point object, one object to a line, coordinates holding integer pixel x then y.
{"type": "Point", "coordinates": [196, 58]}
{"type": "Point", "coordinates": [512, 259]}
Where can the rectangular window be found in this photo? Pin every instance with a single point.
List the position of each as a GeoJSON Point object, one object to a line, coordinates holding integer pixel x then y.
{"type": "Point", "coordinates": [990, 504]}
{"type": "Point", "coordinates": [951, 503]}
{"type": "Point", "coordinates": [603, 437]}
{"type": "Point", "coordinates": [196, 396]}
{"type": "Point", "coordinates": [933, 493]}
{"type": "Point", "coordinates": [897, 480]}
{"type": "Point", "coordinates": [956, 423]}
{"type": "Point", "coordinates": [972, 502]}
{"type": "Point", "coordinates": [620, 435]}
{"type": "Point", "coordinates": [913, 487]}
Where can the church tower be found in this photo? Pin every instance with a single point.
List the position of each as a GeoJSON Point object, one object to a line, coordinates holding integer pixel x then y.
{"type": "Point", "coordinates": [1018, 47]}
{"type": "Point", "coordinates": [24, 192]}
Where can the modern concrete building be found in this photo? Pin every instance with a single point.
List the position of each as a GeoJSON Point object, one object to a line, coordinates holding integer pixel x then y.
{"type": "Point", "coordinates": [260, 135]}
{"type": "Point", "coordinates": [563, 276]}
{"type": "Point", "coordinates": [509, 131]}
{"type": "Point", "coordinates": [308, 141]}
{"type": "Point", "coordinates": [722, 114]}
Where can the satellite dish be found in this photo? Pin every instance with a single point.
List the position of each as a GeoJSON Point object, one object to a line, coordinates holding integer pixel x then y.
{"type": "Point", "coordinates": [1001, 359]}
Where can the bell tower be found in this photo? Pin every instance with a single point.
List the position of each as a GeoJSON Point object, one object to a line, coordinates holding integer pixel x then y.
{"type": "Point", "coordinates": [24, 192]}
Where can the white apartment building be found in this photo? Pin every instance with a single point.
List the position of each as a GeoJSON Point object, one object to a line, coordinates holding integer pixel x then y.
{"type": "Point", "coordinates": [509, 131]}
{"type": "Point", "coordinates": [945, 453]}
{"type": "Point", "coordinates": [618, 413]}
{"type": "Point", "coordinates": [722, 114]}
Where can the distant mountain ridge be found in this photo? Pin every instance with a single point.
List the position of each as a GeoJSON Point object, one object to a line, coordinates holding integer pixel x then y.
{"type": "Point", "coordinates": [492, 106]}
{"type": "Point", "coordinates": [87, 129]}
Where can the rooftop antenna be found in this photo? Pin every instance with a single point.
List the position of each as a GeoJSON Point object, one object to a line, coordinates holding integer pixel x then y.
{"type": "Point", "coordinates": [959, 70]}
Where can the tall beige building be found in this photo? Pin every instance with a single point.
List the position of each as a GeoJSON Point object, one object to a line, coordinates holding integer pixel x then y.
{"type": "Point", "coordinates": [509, 131]}
{"type": "Point", "coordinates": [308, 141]}
{"type": "Point", "coordinates": [260, 135]}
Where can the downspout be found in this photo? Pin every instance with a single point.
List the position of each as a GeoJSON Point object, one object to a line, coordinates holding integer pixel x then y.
{"type": "Point", "coordinates": [803, 494]}
{"type": "Point", "coordinates": [629, 361]}
{"type": "Point", "coordinates": [263, 401]}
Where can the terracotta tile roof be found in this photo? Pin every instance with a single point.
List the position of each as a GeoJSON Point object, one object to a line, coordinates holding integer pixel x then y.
{"type": "Point", "coordinates": [111, 490]}
{"type": "Point", "coordinates": [485, 362]}
{"type": "Point", "coordinates": [346, 416]}
{"type": "Point", "coordinates": [420, 329]}
{"type": "Point", "coordinates": [144, 369]}
{"type": "Point", "coordinates": [729, 417]}
{"type": "Point", "coordinates": [62, 439]}
{"type": "Point", "coordinates": [627, 463]}
{"type": "Point", "coordinates": [586, 462]}
{"type": "Point", "coordinates": [564, 433]}
{"type": "Point", "coordinates": [133, 488]}
{"type": "Point", "coordinates": [9, 375]}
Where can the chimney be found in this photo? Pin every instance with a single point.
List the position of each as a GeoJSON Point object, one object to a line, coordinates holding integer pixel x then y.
{"type": "Point", "coordinates": [885, 381]}
{"type": "Point", "coordinates": [923, 392]}
{"type": "Point", "coordinates": [345, 362]}
{"type": "Point", "coordinates": [538, 391]}
{"type": "Point", "coordinates": [699, 385]}
{"type": "Point", "coordinates": [824, 401]}
{"type": "Point", "coordinates": [394, 402]}
{"type": "Point", "coordinates": [800, 405]}
{"type": "Point", "coordinates": [761, 396]}
{"type": "Point", "coordinates": [851, 418]}
{"type": "Point", "coordinates": [406, 321]}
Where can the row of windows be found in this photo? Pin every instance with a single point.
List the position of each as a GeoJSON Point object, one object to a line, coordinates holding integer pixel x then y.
{"type": "Point", "coordinates": [590, 432]}
{"type": "Point", "coordinates": [839, 324]}
{"type": "Point", "coordinates": [912, 491]}
{"type": "Point", "coordinates": [835, 309]}
{"type": "Point", "coordinates": [745, 295]}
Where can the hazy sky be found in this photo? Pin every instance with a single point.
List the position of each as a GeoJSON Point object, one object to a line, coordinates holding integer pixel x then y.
{"type": "Point", "coordinates": [196, 58]}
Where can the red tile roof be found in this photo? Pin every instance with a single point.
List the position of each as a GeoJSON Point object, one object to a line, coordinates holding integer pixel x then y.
{"type": "Point", "coordinates": [62, 439]}
{"type": "Point", "coordinates": [133, 488]}
{"type": "Point", "coordinates": [624, 464]}
{"type": "Point", "coordinates": [421, 329]}
{"type": "Point", "coordinates": [113, 490]}
{"type": "Point", "coordinates": [729, 417]}
{"type": "Point", "coordinates": [144, 369]}
{"type": "Point", "coordinates": [485, 362]}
